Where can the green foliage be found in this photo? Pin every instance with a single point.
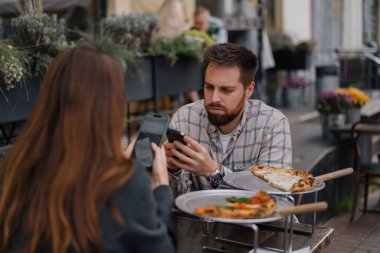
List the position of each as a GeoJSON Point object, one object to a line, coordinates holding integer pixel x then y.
{"type": "Point", "coordinates": [13, 66]}
{"type": "Point", "coordinates": [305, 45]}
{"type": "Point", "coordinates": [122, 55]}
{"type": "Point", "coordinates": [342, 206]}
{"type": "Point", "coordinates": [172, 48]}
{"type": "Point", "coordinates": [200, 37]}
{"type": "Point", "coordinates": [134, 31]}
{"type": "Point", "coordinates": [41, 36]}
{"type": "Point", "coordinates": [280, 41]}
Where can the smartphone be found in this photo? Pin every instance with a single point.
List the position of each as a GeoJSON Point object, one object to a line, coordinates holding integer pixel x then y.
{"type": "Point", "coordinates": [174, 135]}
{"type": "Point", "coordinates": [152, 129]}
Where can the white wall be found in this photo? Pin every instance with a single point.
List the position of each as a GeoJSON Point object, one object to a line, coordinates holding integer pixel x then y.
{"type": "Point", "coordinates": [352, 24]}
{"type": "Point", "coordinates": [297, 19]}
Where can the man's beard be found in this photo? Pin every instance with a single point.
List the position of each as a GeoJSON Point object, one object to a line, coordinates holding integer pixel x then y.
{"type": "Point", "coordinates": [222, 120]}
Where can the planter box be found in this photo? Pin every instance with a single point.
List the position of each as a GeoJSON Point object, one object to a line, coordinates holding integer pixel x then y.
{"type": "Point", "coordinates": [292, 60]}
{"type": "Point", "coordinates": [184, 76]}
{"type": "Point", "coordinates": [19, 101]}
{"type": "Point", "coordinates": [301, 59]}
{"type": "Point", "coordinates": [139, 82]}
{"type": "Point", "coordinates": [283, 59]}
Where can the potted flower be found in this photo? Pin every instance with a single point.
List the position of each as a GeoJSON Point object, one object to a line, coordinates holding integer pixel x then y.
{"type": "Point", "coordinates": [283, 49]}
{"type": "Point", "coordinates": [302, 54]}
{"type": "Point", "coordinates": [293, 89]}
{"type": "Point", "coordinates": [359, 99]}
{"type": "Point", "coordinates": [332, 106]}
{"type": "Point", "coordinates": [289, 55]}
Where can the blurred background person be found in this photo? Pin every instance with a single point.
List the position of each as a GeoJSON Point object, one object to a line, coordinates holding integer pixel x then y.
{"type": "Point", "coordinates": [213, 26]}
{"type": "Point", "coordinates": [67, 185]}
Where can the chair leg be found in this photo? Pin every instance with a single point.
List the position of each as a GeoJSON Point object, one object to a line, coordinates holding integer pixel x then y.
{"type": "Point", "coordinates": [366, 185]}
{"type": "Point", "coordinates": [355, 197]}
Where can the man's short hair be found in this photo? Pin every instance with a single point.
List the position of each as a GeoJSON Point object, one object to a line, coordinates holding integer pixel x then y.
{"type": "Point", "coordinates": [233, 55]}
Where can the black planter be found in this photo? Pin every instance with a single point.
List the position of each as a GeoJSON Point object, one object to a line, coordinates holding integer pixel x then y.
{"type": "Point", "coordinates": [184, 76]}
{"type": "Point", "coordinates": [18, 102]}
{"type": "Point", "coordinates": [301, 59]}
{"type": "Point", "coordinates": [283, 59]}
{"type": "Point", "coordinates": [139, 81]}
{"type": "Point", "coordinates": [292, 60]}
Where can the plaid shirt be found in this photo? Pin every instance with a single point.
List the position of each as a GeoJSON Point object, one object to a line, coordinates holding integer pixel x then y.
{"type": "Point", "coordinates": [262, 137]}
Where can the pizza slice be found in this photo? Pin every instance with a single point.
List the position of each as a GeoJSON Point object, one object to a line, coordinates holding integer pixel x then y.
{"type": "Point", "coordinates": [288, 180]}
{"type": "Point", "coordinates": [259, 206]}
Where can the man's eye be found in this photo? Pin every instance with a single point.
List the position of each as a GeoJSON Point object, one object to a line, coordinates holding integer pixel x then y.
{"type": "Point", "coordinates": [209, 87]}
{"type": "Point", "coordinates": [227, 90]}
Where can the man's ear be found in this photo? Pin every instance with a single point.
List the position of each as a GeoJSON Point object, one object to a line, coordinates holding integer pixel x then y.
{"type": "Point", "coordinates": [249, 90]}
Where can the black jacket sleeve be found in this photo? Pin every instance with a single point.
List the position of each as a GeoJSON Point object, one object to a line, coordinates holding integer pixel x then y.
{"type": "Point", "coordinates": [148, 226]}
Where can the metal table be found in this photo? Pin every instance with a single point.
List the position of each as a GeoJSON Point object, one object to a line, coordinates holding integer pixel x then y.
{"type": "Point", "coordinates": [235, 238]}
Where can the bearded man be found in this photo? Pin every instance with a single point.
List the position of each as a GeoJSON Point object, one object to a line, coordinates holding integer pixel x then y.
{"type": "Point", "coordinates": [227, 131]}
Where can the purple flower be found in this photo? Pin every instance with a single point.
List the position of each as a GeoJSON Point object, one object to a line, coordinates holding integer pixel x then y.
{"type": "Point", "coordinates": [334, 102]}
{"type": "Point", "coordinates": [294, 82]}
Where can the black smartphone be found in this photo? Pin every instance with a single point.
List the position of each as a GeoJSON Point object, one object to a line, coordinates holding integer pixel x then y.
{"type": "Point", "coordinates": [174, 135]}
{"type": "Point", "coordinates": [152, 129]}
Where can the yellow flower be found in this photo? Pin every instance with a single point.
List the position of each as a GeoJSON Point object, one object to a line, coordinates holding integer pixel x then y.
{"type": "Point", "coordinates": [357, 95]}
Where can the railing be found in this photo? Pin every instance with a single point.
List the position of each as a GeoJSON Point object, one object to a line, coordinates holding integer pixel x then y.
{"type": "Point", "coordinates": [359, 67]}
{"type": "Point", "coordinates": [373, 70]}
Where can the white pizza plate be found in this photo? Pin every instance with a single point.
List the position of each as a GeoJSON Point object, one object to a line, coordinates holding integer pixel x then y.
{"type": "Point", "coordinates": [189, 201]}
{"type": "Point", "coordinates": [245, 180]}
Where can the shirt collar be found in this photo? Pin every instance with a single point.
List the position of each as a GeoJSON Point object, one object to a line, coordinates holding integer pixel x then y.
{"type": "Point", "coordinates": [214, 132]}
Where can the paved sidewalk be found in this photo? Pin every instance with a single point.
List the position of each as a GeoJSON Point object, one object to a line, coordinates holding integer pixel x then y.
{"type": "Point", "coordinates": [361, 236]}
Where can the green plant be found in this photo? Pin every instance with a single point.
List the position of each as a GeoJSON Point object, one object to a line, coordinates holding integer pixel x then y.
{"type": "Point", "coordinates": [199, 37]}
{"type": "Point", "coordinates": [134, 31]}
{"type": "Point", "coordinates": [342, 206]}
{"type": "Point", "coordinates": [122, 55]}
{"type": "Point", "coordinates": [305, 45]}
{"type": "Point", "coordinates": [280, 41]}
{"type": "Point", "coordinates": [181, 46]}
{"type": "Point", "coordinates": [41, 36]}
{"type": "Point", "coordinates": [13, 67]}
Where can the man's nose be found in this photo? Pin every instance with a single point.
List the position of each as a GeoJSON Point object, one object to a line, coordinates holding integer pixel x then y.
{"type": "Point", "coordinates": [215, 96]}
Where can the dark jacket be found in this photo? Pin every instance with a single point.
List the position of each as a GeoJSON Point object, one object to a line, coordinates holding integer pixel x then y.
{"type": "Point", "coordinates": [148, 222]}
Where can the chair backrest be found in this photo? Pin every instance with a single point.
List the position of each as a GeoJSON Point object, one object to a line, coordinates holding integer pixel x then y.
{"type": "Point", "coordinates": [360, 129]}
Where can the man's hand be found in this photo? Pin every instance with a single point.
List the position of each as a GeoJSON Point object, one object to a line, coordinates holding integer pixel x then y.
{"type": "Point", "coordinates": [169, 154]}
{"type": "Point", "coordinates": [192, 157]}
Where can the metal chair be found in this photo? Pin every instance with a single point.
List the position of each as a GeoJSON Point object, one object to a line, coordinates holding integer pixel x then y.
{"type": "Point", "coordinates": [364, 170]}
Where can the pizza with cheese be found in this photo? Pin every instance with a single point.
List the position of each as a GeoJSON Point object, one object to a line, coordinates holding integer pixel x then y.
{"type": "Point", "coordinates": [288, 180]}
{"type": "Point", "coordinates": [259, 206]}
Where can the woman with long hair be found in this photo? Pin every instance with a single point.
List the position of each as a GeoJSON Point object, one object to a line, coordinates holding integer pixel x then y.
{"type": "Point", "coordinates": [67, 185]}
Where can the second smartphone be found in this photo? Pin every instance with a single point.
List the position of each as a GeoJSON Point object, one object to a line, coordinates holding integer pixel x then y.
{"type": "Point", "coordinates": [153, 129]}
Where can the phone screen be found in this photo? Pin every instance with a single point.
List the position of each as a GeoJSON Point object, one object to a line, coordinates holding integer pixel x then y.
{"type": "Point", "coordinates": [152, 129]}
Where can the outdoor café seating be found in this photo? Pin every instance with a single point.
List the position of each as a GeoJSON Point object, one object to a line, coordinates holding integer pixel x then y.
{"type": "Point", "coordinates": [365, 170]}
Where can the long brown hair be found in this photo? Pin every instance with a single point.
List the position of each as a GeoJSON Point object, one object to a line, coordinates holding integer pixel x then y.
{"type": "Point", "coordinates": [68, 161]}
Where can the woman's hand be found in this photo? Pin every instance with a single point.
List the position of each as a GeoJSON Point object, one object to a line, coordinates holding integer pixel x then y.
{"type": "Point", "coordinates": [128, 151]}
{"type": "Point", "coordinates": [159, 167]}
